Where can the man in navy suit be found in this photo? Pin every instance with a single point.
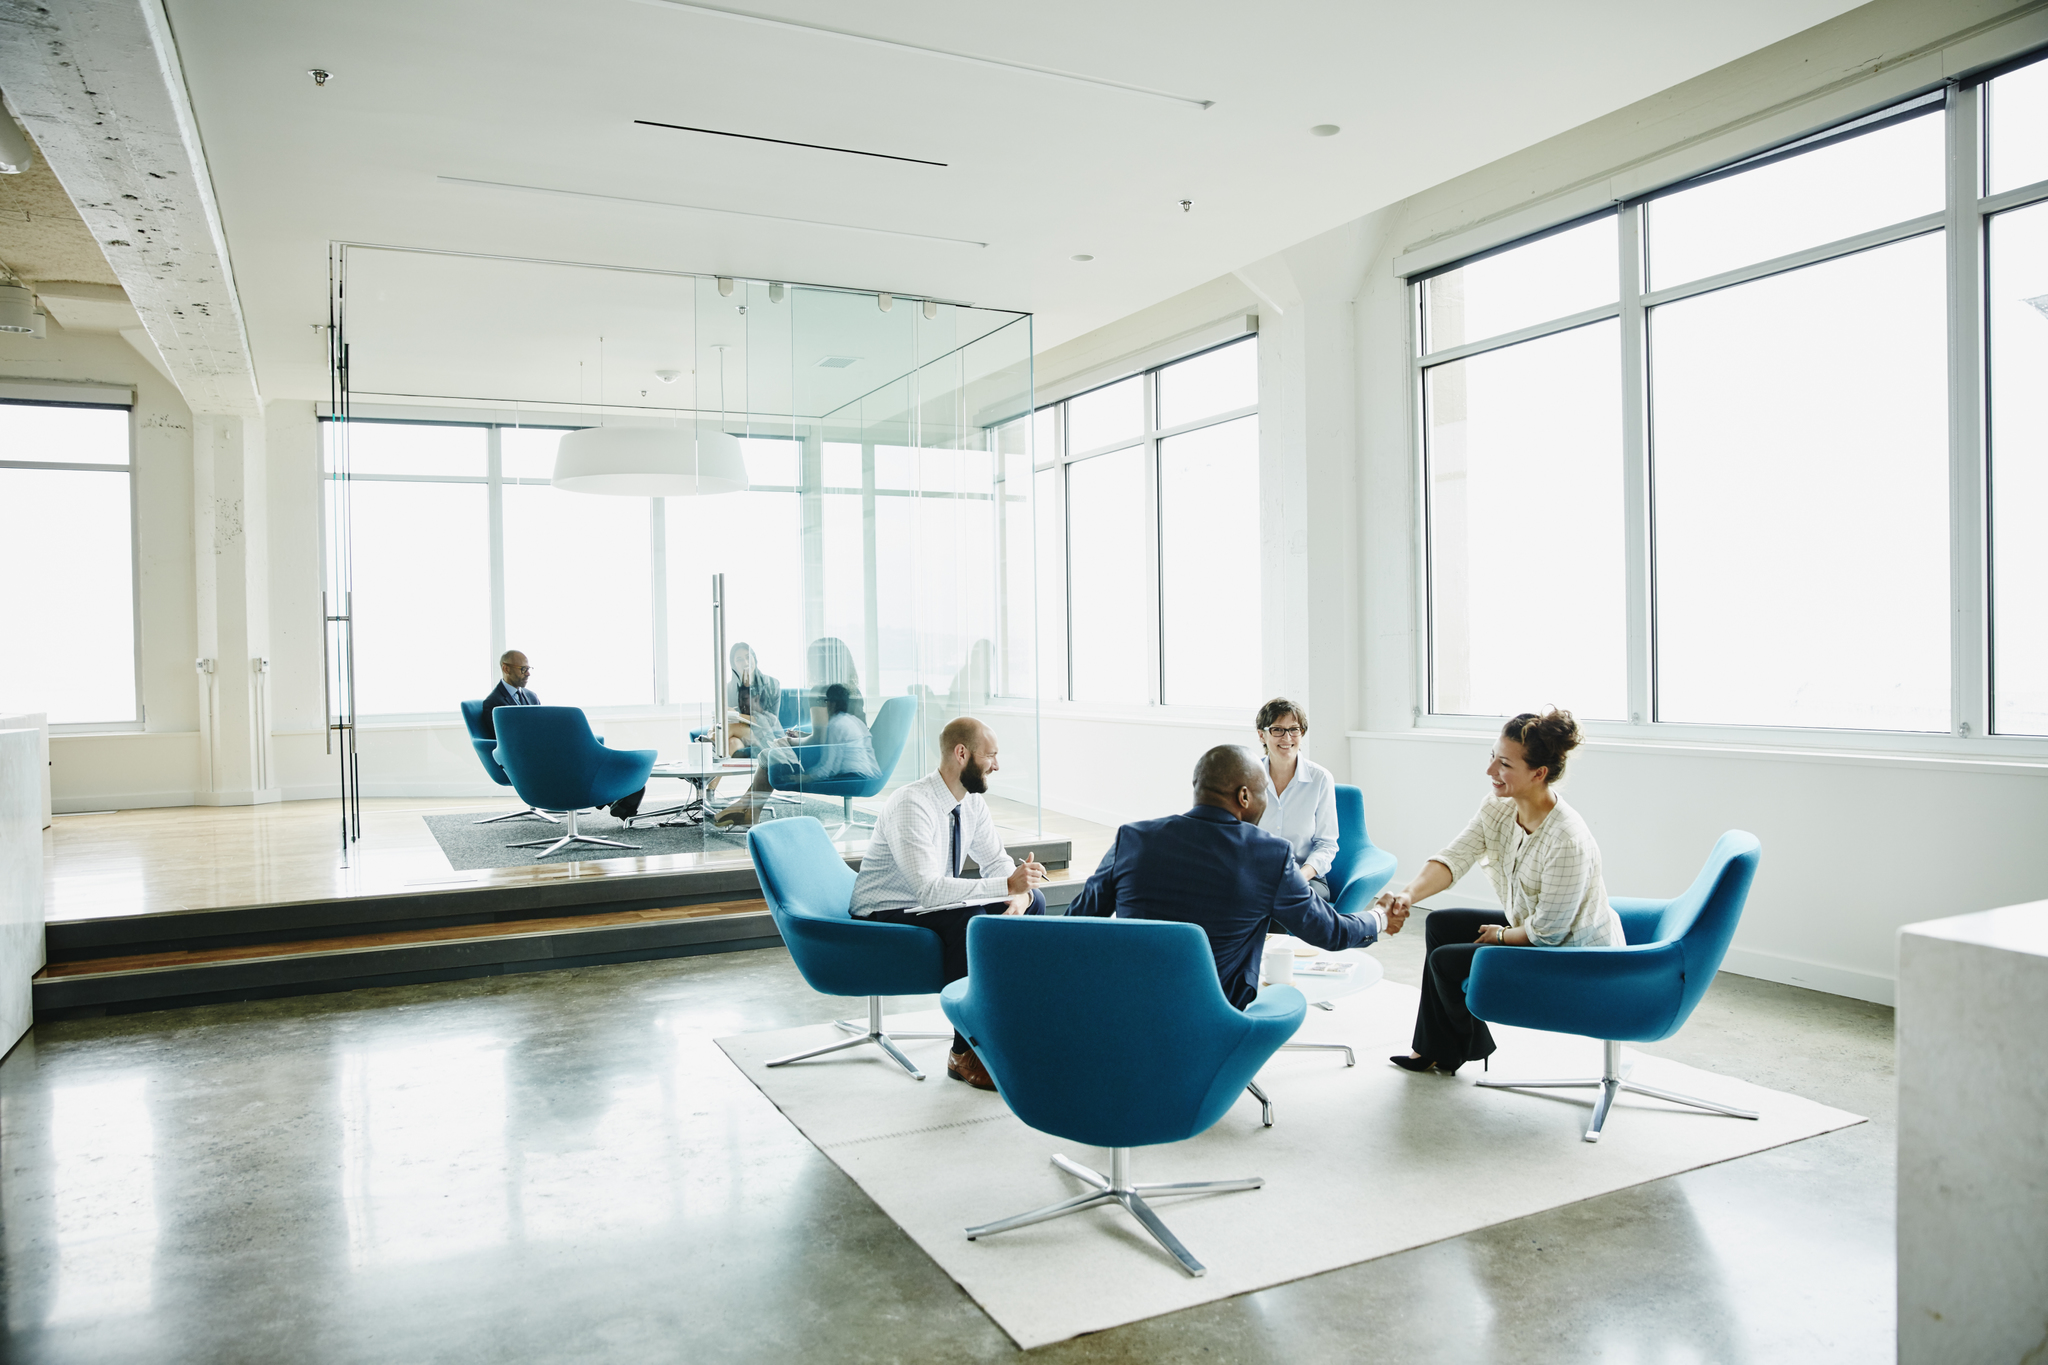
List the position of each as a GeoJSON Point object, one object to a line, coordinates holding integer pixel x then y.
{"type": "Point", "coordinates": [1215, 867]}
{"type": "Point", "coordinates": [511, 691]}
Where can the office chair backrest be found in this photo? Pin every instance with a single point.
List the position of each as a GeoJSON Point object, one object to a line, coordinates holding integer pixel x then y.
{"type": "Point", "coordinates": [549, 753]}
{"type": "Point", "coordinates": [1105, 1031]}
{"type": "Point", "coordinates": [790, 707]}
{"type": "Point", "coordinates": [890, 732]}
{"type": "Point", "coordinates": [1704, 918]}
{"type": "Point", "coordinates": [1351, 837]}
{"type": "Point", "coordinates": [473, 719]}
{"type": "Point", "coordinates": [802, 876]}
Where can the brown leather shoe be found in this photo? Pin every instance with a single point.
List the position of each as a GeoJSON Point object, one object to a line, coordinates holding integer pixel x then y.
{"type": "Point", "coordinates": [965, 1066]}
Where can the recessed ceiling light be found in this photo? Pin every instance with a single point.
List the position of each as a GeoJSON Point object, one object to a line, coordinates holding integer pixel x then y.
{"type": "Point", "coordinates": [837, 362]}
{"type": "Point", "coordinates": [1325, 130]}
{"type": "Point", "coordinates": [1083, 257]}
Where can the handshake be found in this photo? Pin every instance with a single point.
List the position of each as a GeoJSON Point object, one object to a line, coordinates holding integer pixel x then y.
{"type": "Point", "coordinates": [1394, 904]}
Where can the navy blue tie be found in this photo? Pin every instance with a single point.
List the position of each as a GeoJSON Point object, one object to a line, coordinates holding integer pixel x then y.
{"type": "Point", "coordinates": [955, 865]}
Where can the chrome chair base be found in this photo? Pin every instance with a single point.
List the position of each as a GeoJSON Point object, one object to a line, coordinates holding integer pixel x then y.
{"type": "Point", "coordinates": [1612, 1082]}
{"type": "Point", "coordinates": [521, 815]}
{"type": "Point", "coordinates": [1350, 1057]}
{"type": "Point", "coordinates": [572, 837]}
{"type": "Point", "coordinates": [872, 1033]}
{"type": "Point", "coordinates": [1116, 1188]}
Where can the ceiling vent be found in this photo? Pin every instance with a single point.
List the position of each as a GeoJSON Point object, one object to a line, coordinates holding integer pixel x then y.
{"type": "Point", "coordinates": [838, 362]}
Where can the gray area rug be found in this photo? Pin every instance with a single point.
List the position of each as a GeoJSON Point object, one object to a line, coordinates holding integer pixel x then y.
{"type": "Point", "coordinates": [470, 847]}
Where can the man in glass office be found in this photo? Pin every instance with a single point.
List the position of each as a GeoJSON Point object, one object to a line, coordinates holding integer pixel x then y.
{"type": "Point", "coordinates": [513, 691]}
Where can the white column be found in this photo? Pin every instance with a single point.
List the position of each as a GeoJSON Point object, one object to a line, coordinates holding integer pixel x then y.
{"type": "Point", "coordinates": [231, 546]}
{"type": "Point", "coordinates": [1973, 1161]}
{"type": "Point", "coordinates": [22, 767]}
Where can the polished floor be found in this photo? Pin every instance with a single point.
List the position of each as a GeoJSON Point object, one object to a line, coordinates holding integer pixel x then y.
{"type": "Point", "coordinates": [563, 1167]}
{"type": "Point", "coordinates": [206, 857]}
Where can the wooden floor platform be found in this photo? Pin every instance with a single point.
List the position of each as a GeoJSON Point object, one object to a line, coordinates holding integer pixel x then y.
{"type": "Point", "coordinates": [158, 909]}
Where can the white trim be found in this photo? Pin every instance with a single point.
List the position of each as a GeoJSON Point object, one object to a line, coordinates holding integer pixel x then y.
{"type": "Point", "coordinates": [1976, 762]}
{"type": "Point", "coordinates": [1813, 976]}
{"type": "Point", "coordinates": [119, 801]}
{"type": "Point", "coordinates": [65, 391]}
{"type": "Point", "coordinates": [1240, 323]}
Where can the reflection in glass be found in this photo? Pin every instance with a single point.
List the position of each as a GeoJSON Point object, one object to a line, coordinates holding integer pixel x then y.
{"type": "Point", "coordinates": [103, 1192]}
{"type": "Point", "coordinates": [1801, 437]}
{"type": "Point", "coordinates": [1049, 521]}
{"type": "Point", "coordinates": [1553, 277]}
{"type": "Point", "coordinates": [1222, 380]}
{"type": "Point", "coordinates": [1527, 594]}
{"type": "Point", "coordinates": [48, 434]}
{"type": "Point", "coordinates": [746, 537]}
{"type": "Point", "coordinates": [1209, 510]}
{"type": "Point", "coordinates": [69, 642]}
{"type": "Point", "coordinates": [1106, 590]}
{"type": "Point", "coordinates": [2016, 128]}
{"type": "Point", "coordinates": [1014, 562]}
{"type": "Point", "coordinates": [2017, 314]}
{"type": "Point", "coordinates": [423, 601]}
{"type": "Point", "coordinates": [413, 448]}
{"type": "Point", "coordinates": [1825, 195]}
{"type": "Point", "coordinates": [1106, 416]}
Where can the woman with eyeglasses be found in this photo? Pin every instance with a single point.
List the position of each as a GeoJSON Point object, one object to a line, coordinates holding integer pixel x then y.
{"type": "Point", "coordinates": [1303, 809]}
{"type": "Point", "coordinates": [1545, 869]}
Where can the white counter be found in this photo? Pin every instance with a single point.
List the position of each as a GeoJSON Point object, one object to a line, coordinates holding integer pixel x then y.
{"type": "Point", "coordinates": [22, 769]}
{"type": "Point", "coordinates": [1973, 1137]}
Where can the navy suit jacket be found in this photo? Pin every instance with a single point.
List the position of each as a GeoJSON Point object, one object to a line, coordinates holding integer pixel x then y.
{"type": "Point", "coordinates": [1209, 868]}
{"type": "Point", "coordinates": [504, 694]}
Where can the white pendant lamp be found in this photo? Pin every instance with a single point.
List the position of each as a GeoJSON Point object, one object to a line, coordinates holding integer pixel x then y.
{"type": "Point", "coordinates": [650, 462]}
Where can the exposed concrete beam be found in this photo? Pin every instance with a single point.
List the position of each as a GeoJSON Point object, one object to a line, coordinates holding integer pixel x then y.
{"type": "Point", "coordinates": [98, 85]}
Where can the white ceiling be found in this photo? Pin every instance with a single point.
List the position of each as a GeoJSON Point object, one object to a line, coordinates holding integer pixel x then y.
{"type": "Point", "coordinates": [544, 93]}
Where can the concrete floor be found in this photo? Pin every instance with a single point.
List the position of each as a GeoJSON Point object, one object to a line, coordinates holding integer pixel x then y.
{"type": "Point", "coordinates": [562, 1167]}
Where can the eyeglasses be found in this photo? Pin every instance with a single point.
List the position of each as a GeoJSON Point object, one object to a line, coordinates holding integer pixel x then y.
{"type": "Point", "coordinates": [1284, 731]}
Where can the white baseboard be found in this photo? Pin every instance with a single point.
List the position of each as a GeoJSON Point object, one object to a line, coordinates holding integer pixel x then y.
{"type": "Point", "coordinates": [261, 796]}
{"type": "Point", "coordinates": [71, 805]}
{"type": "Point", "coordinates": [1814, 976]}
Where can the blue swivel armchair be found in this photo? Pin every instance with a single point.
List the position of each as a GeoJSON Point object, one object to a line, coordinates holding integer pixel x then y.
{"type": "Point", "coordinates": [557, 765]}
{"type": "Point", "coordinates": [486, 749]}
{"type": "Point", "coordinates": [1639, 993]}
{"type": "Point", "coordinates": [1112, 1032]}
{"type": "Point", "coordinates": [890, 730]}
{"type": "Point", "coordinates": [809, 887]}
{"type": "Point", "coordinates": [1362, 868]}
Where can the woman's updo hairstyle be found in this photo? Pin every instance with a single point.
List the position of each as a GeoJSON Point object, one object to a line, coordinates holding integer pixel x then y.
{"type": "Point", "coordinates": [1545, 739]}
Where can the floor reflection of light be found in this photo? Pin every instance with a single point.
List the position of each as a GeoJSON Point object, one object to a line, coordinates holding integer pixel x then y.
{"type": "Point", "coordinates": [618, 1174]}
{"type": "Point", "coordinates": [423, 1151]}
{"type": "Point", "coordinates": [104, 1191]}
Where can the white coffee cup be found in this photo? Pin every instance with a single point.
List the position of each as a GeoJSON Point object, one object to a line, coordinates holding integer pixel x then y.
{"type": "Point", "coordinates": [699, 756]}
{"type": "Point", "coordinates": [1279, 960]}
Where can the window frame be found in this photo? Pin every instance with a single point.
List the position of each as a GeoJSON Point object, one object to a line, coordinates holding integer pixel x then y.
{"type": "Point", "coordinates": [1965, 220]}
{"type": "Point", "coordinates": [140, 720]}
{"type": "Point", "coordinates": [1149, 439]}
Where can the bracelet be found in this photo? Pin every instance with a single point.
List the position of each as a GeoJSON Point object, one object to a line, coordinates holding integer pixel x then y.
{"type": "Point", "coordinates": [1500, 935]}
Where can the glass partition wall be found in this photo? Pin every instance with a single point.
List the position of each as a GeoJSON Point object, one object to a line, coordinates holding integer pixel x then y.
{"type": "Point", "coordinates": [885, 539]}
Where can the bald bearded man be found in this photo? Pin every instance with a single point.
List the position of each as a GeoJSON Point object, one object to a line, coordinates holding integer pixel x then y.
{"type": "Point", "coordinates": [910, 873]}
{"type": "Point", "coordinates": [1215, 867]}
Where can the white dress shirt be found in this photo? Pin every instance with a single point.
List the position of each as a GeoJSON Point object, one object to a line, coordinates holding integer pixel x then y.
{"type": "Point", "coordinates": [908, 862]}
{"type": "Point", "coordinates": [1305, 815]}
{"type": "Point", "coordinates": [1548, 882]}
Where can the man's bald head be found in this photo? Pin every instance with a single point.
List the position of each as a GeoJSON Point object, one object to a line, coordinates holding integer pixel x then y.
{"type": "Point", "coordinates": [515, 668]}
{"type": "Point", "coordinates": [967, 754]}
{"type": "Point", "coordinates": [1229, 776]}
{"type": "Point", "coordinates": [961, 730]}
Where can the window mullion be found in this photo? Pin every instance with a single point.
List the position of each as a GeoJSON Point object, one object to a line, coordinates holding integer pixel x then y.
{"type": "Point", "coordinates": [1969, 589]}
{"type": "Point", "coordinates": [494, 475]}
{"type": "Point", "coordinates": [1149, 391]}
{"type": "Point", "coordinates": [1635, 471]}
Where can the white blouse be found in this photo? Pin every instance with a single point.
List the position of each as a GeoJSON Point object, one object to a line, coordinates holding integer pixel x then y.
{"type": "Point", "coordinates": [1305, 815]}
{"type": "Point", "coordinates": [1548, 882]}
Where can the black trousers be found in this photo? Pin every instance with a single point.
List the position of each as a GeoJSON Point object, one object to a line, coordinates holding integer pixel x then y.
{"type": "Point", "coordinates": [1445, 1031]}
{"type": "Point", "coordinates": [951, 927]}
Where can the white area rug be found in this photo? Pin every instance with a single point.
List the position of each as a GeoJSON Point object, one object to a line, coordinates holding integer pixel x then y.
{"type": "Point", "coordinates": [1360, 1163]}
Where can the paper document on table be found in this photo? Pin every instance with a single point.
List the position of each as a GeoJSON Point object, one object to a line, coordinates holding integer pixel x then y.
{"type": "Point", "coordinates": [1326, 967]}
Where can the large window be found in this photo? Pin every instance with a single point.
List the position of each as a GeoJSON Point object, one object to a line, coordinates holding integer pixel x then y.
{"type": "Point", "coordinates": [1714, 457]}
{"type": "Point", "coordinates": [67, 631]}
{"type": "Point", "coordinates": [1138, 483]}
